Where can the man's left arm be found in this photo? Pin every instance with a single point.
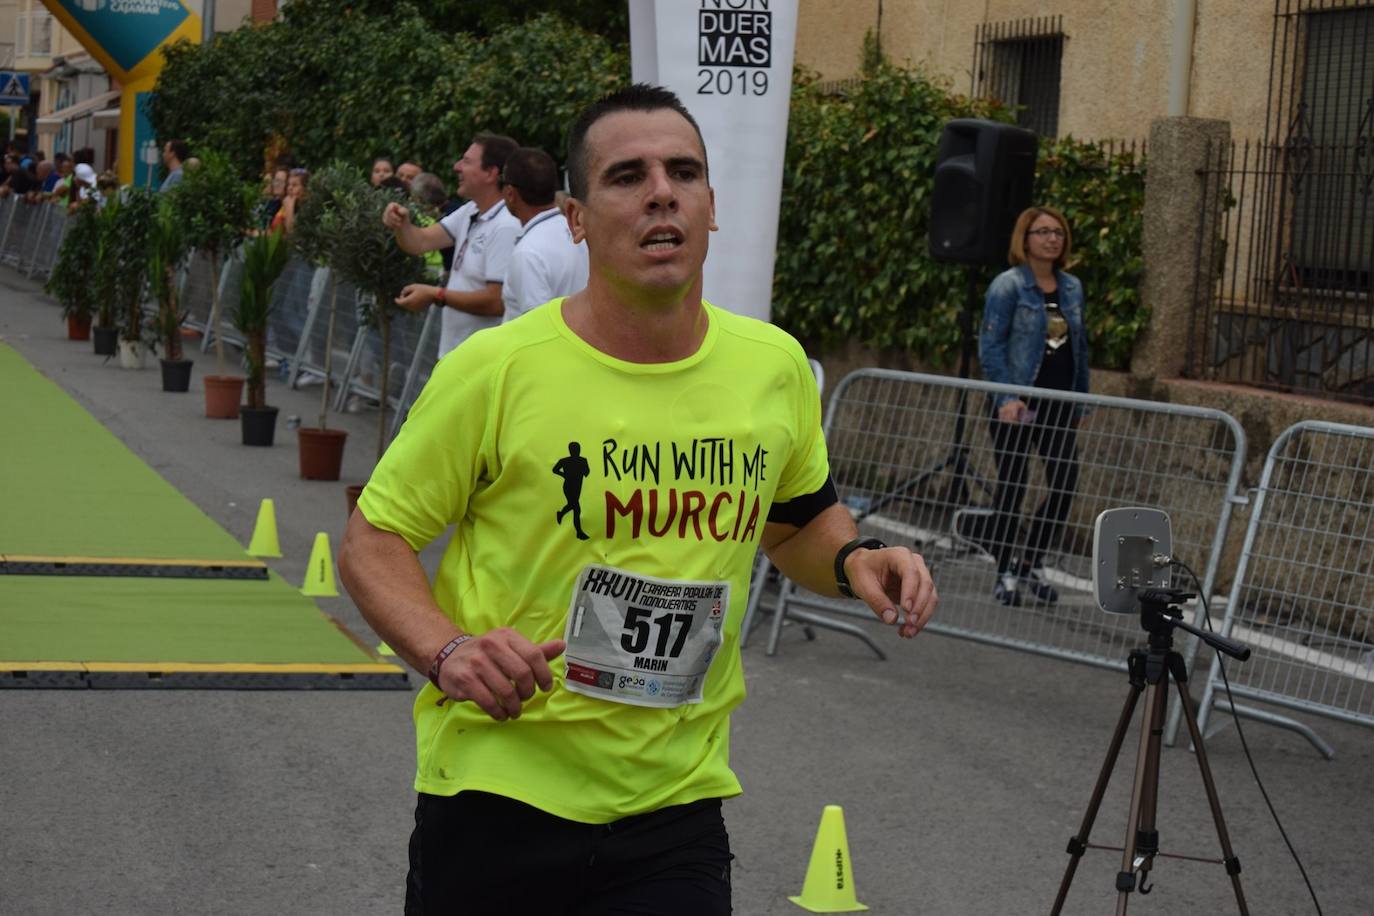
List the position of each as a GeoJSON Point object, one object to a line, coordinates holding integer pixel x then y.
{"type": "Point", "coordinates": [892, 581]}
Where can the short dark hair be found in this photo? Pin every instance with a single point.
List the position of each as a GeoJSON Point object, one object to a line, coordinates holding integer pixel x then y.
{"type": "Point", "coordinates": [637, 97]}
{"type": "Point", "coordinates": [533, 173]}
{"type": "Point", "coordinates": [495, 149]}
{"type": "Point", "coordinates": [84, 156]}
{"type": "Point", "coordinates": [180, 148]}
{"type": "Point", "coordinates": [61, 157]}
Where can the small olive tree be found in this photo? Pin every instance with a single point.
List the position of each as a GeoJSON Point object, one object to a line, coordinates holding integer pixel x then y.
{"type": "Point", "coordinates": [370, 259]}
{"type": "Point", "coordinates": [320, 238]}
{"type": "Point", "coordinates": [214, 209]}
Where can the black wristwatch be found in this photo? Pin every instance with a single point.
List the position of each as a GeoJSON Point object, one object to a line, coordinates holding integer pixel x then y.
{"type": "Point", "coordinates": [842, 580]}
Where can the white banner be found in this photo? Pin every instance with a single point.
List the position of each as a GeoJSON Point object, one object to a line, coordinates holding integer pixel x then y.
{"type": "Point", "coordinates": [730, 61]}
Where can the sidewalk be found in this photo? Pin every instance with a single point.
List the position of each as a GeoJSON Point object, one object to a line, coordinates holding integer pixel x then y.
{"type": "Point", "coordinates": [962, 769]}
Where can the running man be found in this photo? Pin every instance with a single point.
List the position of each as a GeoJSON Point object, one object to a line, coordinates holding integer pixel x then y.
{"type": "Point", "coordinates": [573, 742]}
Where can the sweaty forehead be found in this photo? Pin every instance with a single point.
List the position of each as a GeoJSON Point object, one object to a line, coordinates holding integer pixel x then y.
{"type": "Point", "coordinates": [656, 135]}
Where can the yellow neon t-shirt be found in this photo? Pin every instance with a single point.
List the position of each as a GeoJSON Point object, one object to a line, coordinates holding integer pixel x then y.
{"type": "Point", "coordinates": [670, 468]}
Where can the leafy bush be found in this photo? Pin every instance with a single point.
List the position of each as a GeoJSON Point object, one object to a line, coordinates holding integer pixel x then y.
{"type": "Point", "coordinates": [328, 83]}
{"type": "Point", "coordinates": [1102, 195]}
{"type": "Point", "coordinates": [852, 260]}
{"type": "Point", "coordinates": [74, 275]}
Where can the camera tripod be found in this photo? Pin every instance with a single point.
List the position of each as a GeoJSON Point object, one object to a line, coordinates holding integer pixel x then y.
{"type": "Point", "coordinates": [1152, 668]}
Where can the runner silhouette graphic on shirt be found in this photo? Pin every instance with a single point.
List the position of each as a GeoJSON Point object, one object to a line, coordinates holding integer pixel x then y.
{"type": "Point", "coordinates": [573, 468]}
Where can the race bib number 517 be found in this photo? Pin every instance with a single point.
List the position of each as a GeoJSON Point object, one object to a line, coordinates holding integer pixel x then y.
{"type": "Point", "coordinates": [642, 640]}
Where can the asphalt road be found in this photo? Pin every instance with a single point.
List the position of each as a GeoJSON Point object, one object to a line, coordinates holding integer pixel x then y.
{"type": "Point", "coordinates": [962, 769]}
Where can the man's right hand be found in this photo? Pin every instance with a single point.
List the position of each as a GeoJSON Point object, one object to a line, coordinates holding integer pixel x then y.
{"type": "Point", "coordinates": [1011, 411]}
{"type": "Point", "coordinates": [395, 216]}
{"type": "Point", "coordinates": [416, 297]}
{"type": "Point", "coordinates": [499, 671]}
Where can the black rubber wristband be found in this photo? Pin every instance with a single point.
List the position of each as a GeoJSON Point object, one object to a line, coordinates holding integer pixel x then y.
{"type": "Point", "coordinates": [842, 580]}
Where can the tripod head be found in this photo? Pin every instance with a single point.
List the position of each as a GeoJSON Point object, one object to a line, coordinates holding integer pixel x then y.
{"type": "Point", "coordinates": [1160, 615]}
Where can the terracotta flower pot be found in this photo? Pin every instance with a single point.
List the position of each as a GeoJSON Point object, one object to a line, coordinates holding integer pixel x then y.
{"type": "Point", "coordinates": [321, 452]}
{"type": "Point", "coordinates": [351, 493]}
{"type": "Point", "coordinates": [78, 327]}
{"type": "Point", "coordinates": [222, 396]}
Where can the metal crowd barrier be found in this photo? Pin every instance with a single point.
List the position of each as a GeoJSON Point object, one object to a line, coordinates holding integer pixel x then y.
{"type": "Point", "coordinates": [1303, 594]}
{"type": "Point", "coordinates": [230, 281]}
{"type": "Point", "coordinates": [308, 364]}
{"type": "Point", "coordinates": [912, 457]}
{"type": "Point", "coordinates": [7, 208]}
{"type": "Point", "coordinates": [414, 350]}
{"type": "Point", "coordinates": [19, 227]}
{"type": "Point", "coordinates": [195, 294]}
{"type": "Point", "coordinates": [54, 229]}
{"type": "Point", "coordinates": [32, 243]}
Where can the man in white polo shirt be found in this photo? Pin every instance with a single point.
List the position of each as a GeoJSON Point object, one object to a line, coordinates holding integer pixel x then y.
{"type": "Point", "coordinates": [546, 263]}
{"type": "Point", "coordinates": [482, 233]}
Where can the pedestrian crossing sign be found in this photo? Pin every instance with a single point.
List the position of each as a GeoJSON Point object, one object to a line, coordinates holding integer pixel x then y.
{"type": "Point", "coordinates": [14, 88]}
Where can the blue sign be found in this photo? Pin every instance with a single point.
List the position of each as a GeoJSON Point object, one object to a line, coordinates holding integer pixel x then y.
{"type": "Point", "coordinates": [14, 88]}
{"type": "Point", "coordinates": [146, 151]}
{"type": "Point", "coordinates": [127, 30]}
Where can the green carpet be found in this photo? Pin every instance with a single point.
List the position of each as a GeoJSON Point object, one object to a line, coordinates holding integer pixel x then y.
{"type": "Point", "coordinates": [70, 488]}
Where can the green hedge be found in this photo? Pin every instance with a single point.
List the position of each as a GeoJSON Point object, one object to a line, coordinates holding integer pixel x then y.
{"type": "Point", "coordinates": [852, 261]}
{"type": "Point", "coordinates": [344, 85]}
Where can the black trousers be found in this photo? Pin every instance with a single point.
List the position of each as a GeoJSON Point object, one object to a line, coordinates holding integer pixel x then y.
{"type": "Point", "coordinates": [1054, 436]}
{"type": "Point", "coordinates": [476, 853]}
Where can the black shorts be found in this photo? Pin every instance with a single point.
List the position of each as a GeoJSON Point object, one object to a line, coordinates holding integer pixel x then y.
{"type": "Point", "coordinates": [476, 853]}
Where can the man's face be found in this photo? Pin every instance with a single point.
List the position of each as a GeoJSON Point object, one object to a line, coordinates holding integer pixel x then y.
{"type": "Point", "coordinates": [407, 171]}
{"type": "Point", "coordinates": [473, 180]}
{"type": "Point", "coordinates": [648, 209]}
{"type": "Point", "coordinates": [64, 167]}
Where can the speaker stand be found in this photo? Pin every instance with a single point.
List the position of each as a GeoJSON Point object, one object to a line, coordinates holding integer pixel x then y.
{"type": "Point", "coordinates": [956, 459]}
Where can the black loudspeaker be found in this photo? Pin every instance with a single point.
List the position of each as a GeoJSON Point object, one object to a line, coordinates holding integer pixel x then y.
{"type": "Point", "coordinates": [984, 173]}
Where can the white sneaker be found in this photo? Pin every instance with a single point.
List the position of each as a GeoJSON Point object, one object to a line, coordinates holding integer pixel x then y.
{"type": "Point", "coordinates": [309, 380]}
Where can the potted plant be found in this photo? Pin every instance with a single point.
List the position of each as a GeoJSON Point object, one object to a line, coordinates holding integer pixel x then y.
{"type": "Point", "coordinates": [371, 260]}
{"type": "Point", "coordinates": [264, 259]}
{"type": "Point", "coordinates": [132, 213]}
{"type": "Point", "coordinates": [73, 279]}
{"type": "Point", "coordinates": [105, 289]}
{"type": "Point", "coordinates": [214, 209]}
{"type": "Point", "coordinates": [166, 248]}
{"type": "Point", "coordinates": [319, 238]}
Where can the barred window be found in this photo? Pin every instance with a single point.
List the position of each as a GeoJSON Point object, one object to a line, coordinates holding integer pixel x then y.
{"type": "Point", "coordinates": [1328, 143]}
{"type": "Point", "coordinates": [1018, 63]}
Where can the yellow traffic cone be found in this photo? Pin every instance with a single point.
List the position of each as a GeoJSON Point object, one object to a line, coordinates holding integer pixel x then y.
{"type": "Point", "coordinates": [319, 575]}
{"type": "Point", "coordinates": [264, 542]}
{"type": "Point", "coordinates": [384, 649]}
{"type": "Point", "coordinates": [829, 886]}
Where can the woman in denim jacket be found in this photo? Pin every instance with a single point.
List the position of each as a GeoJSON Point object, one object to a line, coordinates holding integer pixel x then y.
{"type": "Point", "coordinates": [1033, 335]}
